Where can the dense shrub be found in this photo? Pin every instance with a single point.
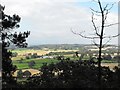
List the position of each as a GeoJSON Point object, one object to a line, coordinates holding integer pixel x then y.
{"type": "Point", "coordinates": [14, 54]}
{"type": "Point", "coordinates": [74, 74]}
{"type": "Point", "coordinates": [31, 64]}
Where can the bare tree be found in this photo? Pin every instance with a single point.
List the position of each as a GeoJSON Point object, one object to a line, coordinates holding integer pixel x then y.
{"type": "Point", "coordinates": [99, 31]}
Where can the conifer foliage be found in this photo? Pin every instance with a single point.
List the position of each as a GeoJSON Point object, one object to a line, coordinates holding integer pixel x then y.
{"type": "Point", "coordinates": [8, 37]}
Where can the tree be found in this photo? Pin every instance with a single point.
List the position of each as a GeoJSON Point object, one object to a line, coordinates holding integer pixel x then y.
{"type": "Point", "coordinates": [72, 74]}
{"type": "Point", "coordinates": [99, 31]}
{"type": "Point", "coordinates": [34, 55]}
{"type": "Point", "coordinates": [76, 53]}
{"type": "Point", "coordinates": [31, 64]}
{"type": "Point", "coordinates": [107, 57]}
{"type": "Point", "coordinates": [19, 74]}
{"type": "Point", "coordinates": [26, 73]}
{"type": "Point", "coordinates": [8, 23]}
{"type": "Point", "coordinates": [14, 54]}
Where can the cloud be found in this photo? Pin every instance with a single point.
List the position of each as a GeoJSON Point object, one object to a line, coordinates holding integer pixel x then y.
{"type": "Point", "coordinates": [50, 21]}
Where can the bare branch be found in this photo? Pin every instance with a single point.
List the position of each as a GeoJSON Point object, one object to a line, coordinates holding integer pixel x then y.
{"type": "Point", "coordinates": [111, 6]}
{"type": "Point", "coordinates": [105, 8]}
{"type": "Point", "coordinates": [106, 15]}
{"type": "Point", "coordinates": [96, 44]}
{"type": "Point", "coordinates": [106, 42]}
{"type": "Point", "coordinates": [95, 28]}
{"type": "Point", "coordinates": [110, 25]}
{"type": "Point", "coordinates": [116, 35]}
{"type": "Point", "coordinates": [80, 34]}
{"type": "Point", "coordinates": [112, 36]}
{"type": "Point", "coordinates": [100, 6]}
{"type": "Point", "coordinates": [95, 11]}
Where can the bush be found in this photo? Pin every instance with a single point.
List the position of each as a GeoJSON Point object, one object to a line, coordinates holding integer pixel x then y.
{"type": "Point", "coordinates": [31, 64]}
{"type": "Point", "coordinates": [14, 54]}
{"type": "Point", "coordinates": [27, 57]}
{"type": "Point", "coordinates": [107, 57]}
{"type": "Point", "coordinates": [20, 74]}
{"type": "Point", "coordinates": [72, 74]}
{"type": "Point", "coordinates": [26, 73]}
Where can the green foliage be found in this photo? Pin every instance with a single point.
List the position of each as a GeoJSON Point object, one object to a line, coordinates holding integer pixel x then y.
{"type": "Point", "coordinates": [31, 64]}
{"type": "Point", "coordinates": [26, 73]}
{"type": "Point", "coordinates": [20, 74]}
{"type": "Point", "coordinates": [28, 57]}
{"type": "Point", "coordinates": [14, 54]}
{"type": "Point", "coordinates": [73, 74]}
{"type": "Point", "coordinates": [107, 57]}
{"type": "Point", "coordinates": [7, 37]}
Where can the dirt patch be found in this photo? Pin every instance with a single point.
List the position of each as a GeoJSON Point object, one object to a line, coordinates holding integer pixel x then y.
{"type": "Point", "coordinates": [110, 65]}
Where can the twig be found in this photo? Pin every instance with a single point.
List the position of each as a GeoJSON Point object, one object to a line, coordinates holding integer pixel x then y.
{"type": "Point", "coordinates": [110, 25]}
{"type": "Point", "coordinates": [95, 11]}
{"type": "Point", "coordinates": [95, 28]}
{"type": "Point", "coordinates": [80, 34]}
{"type": "Point", "coordinates": [107, 42]}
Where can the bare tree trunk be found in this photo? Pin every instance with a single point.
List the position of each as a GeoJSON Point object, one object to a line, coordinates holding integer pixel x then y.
{"type": "Point", "coordinates": [99, 64]}
{"type": "Point", "coordinates": [103, 12]}
{"type": "Point", "coordinates": [101, 43]}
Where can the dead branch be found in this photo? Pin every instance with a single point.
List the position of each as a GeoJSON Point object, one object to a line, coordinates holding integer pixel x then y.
{"type": "Point", "coordinates": [95, 28]}
{"type": "Point", "coordinates": [106, 15]}
{"type": "Point", "coordinates": [111, 36]}
{"type": "Point", "coordinates": [107, 42]}
{"type": "Point", "coordinates": [96, 44]}
{"type": "Point", "coordinates": [100, 6]}
{"type": "Point", "coordinates": [115, 35]}
{"type": "Point", "coordinates": [95, 11]}
{"type": "Point", "coordinates": [80, 34]}
{"type": "Point", "coordinates": [105, 8]}
{"type": "Point", "coordinates": [111, 24]}
{"type": "Point", "coordinates": [111, 6]}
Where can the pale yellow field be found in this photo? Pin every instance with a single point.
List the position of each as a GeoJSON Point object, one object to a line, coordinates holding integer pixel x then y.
{"type": "Point", "coordinates": [33, 71]}
{"type": "Point", "coordinates": [23, 52]}
{"type": "Point", "coordinates": [64, 51]}
{"type": "Point", "coordinates": [111, 65]}
{"type": "Point", "coordinates": [40, 52]}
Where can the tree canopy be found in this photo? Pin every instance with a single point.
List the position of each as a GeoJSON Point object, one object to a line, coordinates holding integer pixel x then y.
{"type": "Point", "coordinates": [8, 36]}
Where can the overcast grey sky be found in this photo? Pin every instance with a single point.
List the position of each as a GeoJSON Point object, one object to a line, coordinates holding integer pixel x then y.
{"type": "Point", "coordinates": [50, 21]}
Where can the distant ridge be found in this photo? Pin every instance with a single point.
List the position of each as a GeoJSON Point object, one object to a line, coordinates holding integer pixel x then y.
{"type": "Point", "coordinates": [63, 46]}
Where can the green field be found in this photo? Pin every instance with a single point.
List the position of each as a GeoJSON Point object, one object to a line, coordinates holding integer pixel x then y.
{"type": "Point", "coordinates": [39, 63]}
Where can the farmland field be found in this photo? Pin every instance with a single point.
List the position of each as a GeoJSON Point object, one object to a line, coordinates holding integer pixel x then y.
{"type": "Point", "coordinates": [39, 61]}
{"type": "Point", "coordinates": [23, 52]}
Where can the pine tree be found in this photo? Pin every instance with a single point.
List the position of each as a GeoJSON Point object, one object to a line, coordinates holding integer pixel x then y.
{"type": "Point", "coordinates": [8, 37]}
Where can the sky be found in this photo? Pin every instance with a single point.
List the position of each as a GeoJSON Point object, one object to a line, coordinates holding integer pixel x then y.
{"type": "Point", "coordinates": [51, 21]}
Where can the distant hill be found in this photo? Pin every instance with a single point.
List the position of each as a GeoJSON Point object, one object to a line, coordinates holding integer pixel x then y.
{"type": "Point", "coordinates": [57, 46]}
{"type": "Point", "coordinates": [81, 47]}
{"type": "Point", "coordinates": [67, 46]}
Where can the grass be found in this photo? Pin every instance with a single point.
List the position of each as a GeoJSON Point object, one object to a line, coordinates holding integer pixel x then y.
{"type": "Point", "coordinates": [39, 63]}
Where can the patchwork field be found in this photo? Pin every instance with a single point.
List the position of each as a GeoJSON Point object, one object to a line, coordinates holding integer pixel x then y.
{"type": "Point", "coordinates": [39, 61]}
